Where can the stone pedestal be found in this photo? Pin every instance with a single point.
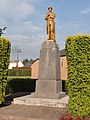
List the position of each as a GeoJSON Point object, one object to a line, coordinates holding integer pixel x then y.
{"type": "Point", "coordinates": [49, 84]}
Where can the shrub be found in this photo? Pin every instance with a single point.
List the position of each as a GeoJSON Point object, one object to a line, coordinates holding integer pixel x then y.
{"type": "Point", "coordinates": [4, 62]}
{"type": "Point", "coordinates": [78, 83]}
{"type": "Point", "coordinates": [19, 72]}
{"type": "Point", "coordinates": [15, 85]}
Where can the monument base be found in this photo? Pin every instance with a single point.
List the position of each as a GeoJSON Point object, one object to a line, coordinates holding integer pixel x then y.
{"type": "Point", "coordinates": [48, 89]}
{"type": "Point", "coordinates": [49, 84]}
{"type": "Point", "coordinates": [43, 102]}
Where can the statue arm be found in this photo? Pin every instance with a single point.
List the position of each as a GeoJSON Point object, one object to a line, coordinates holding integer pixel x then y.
{"type": "Point", "coordinates": [52, 16]}
{"type": "Point", "coordinates": [46, 17]}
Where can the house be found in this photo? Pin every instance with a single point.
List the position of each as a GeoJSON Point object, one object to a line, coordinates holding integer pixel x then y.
{"type": "Point", "coordinates": [63, 67]}
{"type": "Point", "coordinates": [13, 64]}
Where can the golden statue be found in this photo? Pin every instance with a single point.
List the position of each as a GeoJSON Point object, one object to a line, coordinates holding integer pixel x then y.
{"type": "Point", "coordinates": [50, 24]}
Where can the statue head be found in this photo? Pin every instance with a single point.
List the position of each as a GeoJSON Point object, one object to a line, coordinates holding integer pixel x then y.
{"type": "Point", "coordinates": [50, 8]}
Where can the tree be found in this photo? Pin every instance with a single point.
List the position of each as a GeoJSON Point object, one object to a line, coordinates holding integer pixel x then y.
{"type": "Point", "coordinates": [25, 61]}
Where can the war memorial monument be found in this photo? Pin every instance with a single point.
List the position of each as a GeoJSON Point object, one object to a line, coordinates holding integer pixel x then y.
{"type": "Point", "coordinates": [48, 85]}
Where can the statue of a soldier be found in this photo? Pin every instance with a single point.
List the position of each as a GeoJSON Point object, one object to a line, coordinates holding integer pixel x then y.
{"type": "Point", "coordinates": [50, 24]}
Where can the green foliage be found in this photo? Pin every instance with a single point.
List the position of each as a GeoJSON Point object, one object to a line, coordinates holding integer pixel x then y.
{"type": "Point", "coordinates": [78, 83]}
{"type": "Point", "coordinates": [19, 72]}
{"type": "Point", "coordinates": [4, 62]}
{"type": "Point", "coordinates": [25, 61]}
{"type": "Point", "coordinates": [15, 85]}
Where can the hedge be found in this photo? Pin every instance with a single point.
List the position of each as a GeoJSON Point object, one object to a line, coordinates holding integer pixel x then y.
{"type": "Point", "coordinates": [19, 72]}
{"type": "Point", "coordinates": [4, 62]}
{"type": "Point", "coordinates": [15, 85]}
{"type": "Point", "coordinates": [78, 84]}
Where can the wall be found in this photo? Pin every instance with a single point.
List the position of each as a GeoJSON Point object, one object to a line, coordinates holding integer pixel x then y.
{"type": "Point", "coordinates": [34, 72]}
{"type": "Point", "coordinates": [63, 68]}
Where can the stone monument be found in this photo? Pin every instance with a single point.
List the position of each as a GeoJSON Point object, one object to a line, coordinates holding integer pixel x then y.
{"type": "Point", "coordinates": [49, 84]}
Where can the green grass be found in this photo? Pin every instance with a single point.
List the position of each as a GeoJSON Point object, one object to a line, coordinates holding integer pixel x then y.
{"type": "Point", "coordinates": [10, 77]}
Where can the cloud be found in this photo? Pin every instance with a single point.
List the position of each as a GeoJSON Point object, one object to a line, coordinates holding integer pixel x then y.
{"type": "Point", "coordinates": [18, 38]}
{"type": "Point", "coordinates": [15, 10]}
{"type": "Point", "coordinates": [32, 26]}
{"type": "Point", "coordinates": [86, 11]}
{"type": "Point", "coordinates": [29, 44]}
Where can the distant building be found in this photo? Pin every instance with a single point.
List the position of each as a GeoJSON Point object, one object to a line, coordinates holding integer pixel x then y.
{"type": "Point", "coordinates": [13, 64]}
{"type": "Point", "coordinates": [63, 67]}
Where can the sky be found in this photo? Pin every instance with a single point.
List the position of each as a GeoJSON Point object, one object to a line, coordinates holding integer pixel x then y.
{"type": "Point", "coordinates": [26, 25]}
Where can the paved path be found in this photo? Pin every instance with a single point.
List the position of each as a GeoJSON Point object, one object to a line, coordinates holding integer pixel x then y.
{"type": "Point", "coordinates": [24, 112]}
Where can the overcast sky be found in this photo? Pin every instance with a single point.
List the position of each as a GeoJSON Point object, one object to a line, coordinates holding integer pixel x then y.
{"type": "Point", "coordinates": [26, 25]}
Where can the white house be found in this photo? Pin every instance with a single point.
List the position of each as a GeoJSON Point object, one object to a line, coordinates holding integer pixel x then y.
{"type": "Point", "coordinates": [14, 64]}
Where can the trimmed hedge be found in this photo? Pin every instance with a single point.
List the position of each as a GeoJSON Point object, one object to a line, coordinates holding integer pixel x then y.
{"type": "Point", "coordinates": [78, 83]}
{"type": "Point", "coordinates": [19, 72]}
{"type": "Point", "coordinates": [15, 85]}
{"type": "Point", "coordinates": [4, 62]}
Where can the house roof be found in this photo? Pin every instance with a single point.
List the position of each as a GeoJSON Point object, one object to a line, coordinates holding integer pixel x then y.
{"type": "Point", "coordinates": [35, 60]}
{"type": "Point", "coordinates": [62, 52]}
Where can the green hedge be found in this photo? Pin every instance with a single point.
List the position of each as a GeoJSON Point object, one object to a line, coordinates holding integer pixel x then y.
{"type": "Point", "coordinates": [4, 62]}
{"type": "Point", "coordinates": [19, 72]}
{"type": "Point", "coordinates": [15, 85]}
{"type": "Point", "coordinates": [78, 83]}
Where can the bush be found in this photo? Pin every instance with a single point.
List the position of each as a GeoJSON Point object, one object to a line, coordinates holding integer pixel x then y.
{"type": "Point", "coordinates": [19, 72]}
{"type": "Point", "coordinates": [78, 83]}
{"type": "Point", "coordinates": [15, 85]}
{"type": "Point", "coordinates": [4, 62]}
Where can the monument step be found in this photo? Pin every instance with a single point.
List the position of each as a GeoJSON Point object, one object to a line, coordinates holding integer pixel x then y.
{"type": "Point", "coordinates": [27, 100]}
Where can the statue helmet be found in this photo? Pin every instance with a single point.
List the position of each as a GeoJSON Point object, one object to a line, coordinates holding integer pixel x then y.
{"type": "Point", "coordinates": [50, 7]}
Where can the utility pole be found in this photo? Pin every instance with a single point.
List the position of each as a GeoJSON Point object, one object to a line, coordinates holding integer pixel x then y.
{"type": "Point", "coordinates": [18, 54]}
